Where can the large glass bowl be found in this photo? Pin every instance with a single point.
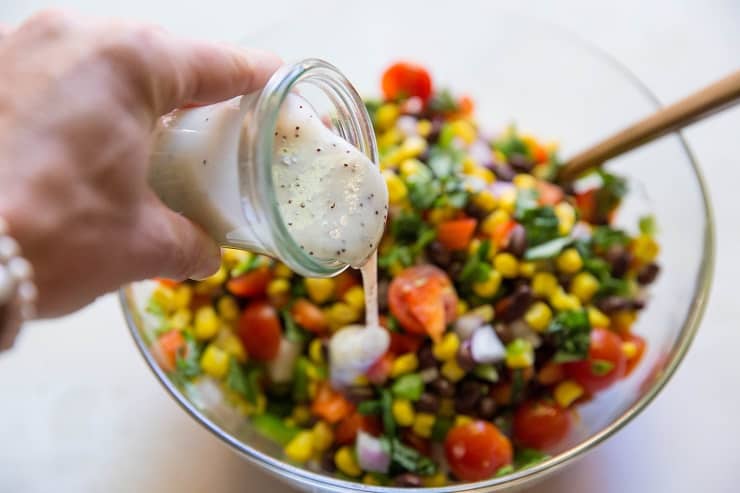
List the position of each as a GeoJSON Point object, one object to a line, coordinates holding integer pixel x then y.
{"type": "Point", "coordinates": [556, 86]}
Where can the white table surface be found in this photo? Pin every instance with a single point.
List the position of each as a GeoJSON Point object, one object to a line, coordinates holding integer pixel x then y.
{"type": "Point", "coordinates": [80, 412]}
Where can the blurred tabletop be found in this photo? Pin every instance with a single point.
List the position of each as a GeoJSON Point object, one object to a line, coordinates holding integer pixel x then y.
{"type": "Point", "coordinates": [80, 412]}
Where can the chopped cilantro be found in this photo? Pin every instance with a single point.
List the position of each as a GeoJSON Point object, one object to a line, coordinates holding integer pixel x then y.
{"type": "Point", "coordinates": [610, 194]}
{"type": "Point", "coordinates": [244, 382]}
{"type": "Point", "coordinates": [408, 458]}
{"type": "Point", "coordinates": [477, 267]}
{"type": "Point", "coordinates": [442, 102]}
{"type": "Point", "coordinates": [601, 367]}
{"type": "Point", "coordinates": [548, 249]}
{"type": "Point", "coordinates": [648, 225]}
{"type": "Point", "coordinates": [541, 224]}
{"type": "Point", "coordinates": [292, 331]}
{"type": "Point", "coordinates": [528, 457]}
{"type": "Point", "coordinates": [604, 237]}
{"type": "Point", "coordinates": [571, 330]}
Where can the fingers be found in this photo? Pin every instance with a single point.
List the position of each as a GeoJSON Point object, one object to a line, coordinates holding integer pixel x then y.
{"type": "Point", "coordinates": [171, 72]}
{"type": "Point", "coordinates": [176, 248]}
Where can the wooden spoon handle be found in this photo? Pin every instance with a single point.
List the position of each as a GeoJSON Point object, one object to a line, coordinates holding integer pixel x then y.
{"type": "Point", "coordinates": [703, 103]}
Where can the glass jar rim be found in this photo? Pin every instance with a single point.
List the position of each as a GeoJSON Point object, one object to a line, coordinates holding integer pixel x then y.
{"type": "Point", "coordinates": [354, 125]}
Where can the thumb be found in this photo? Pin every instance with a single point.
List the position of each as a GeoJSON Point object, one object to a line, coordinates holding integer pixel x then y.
{"type": "Point", "coordinates": [183, 249]}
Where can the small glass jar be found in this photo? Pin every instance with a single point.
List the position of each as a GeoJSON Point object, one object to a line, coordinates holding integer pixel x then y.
{"type": "Point", "coordinates": [214, 163]}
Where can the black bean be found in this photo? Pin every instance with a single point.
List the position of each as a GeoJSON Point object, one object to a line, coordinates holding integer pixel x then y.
{"type": "Point", "coordinates": [638, 304]}
{"type": "Point", "coordinates": [475, 211]}
{"type": "Point", "coordinates": [517, 241]}
{"type": "Point", "coordinates": [455, 269]}
{"type": "Point", "coordinates": [517, 304]}
{"type": "Point", "coordinates": [502, 171]}
{"type": "Point", "coordinates": [327, 460]}
{"type": "Point", "coordinates": [503, 331]}
{"type": "Point", "coordinates": [465, 357]}
{"type": "Point", "coordinates": [443, 387]}
{"type": "Point", "coordinates": [359, 393]}
{"type": "Point", "coordinates": [407, 479]}
{"type": "Point", "coordinates": [437, 124]}
{"type": "Point", "coordinates": [648, 273]}
{"type": "Point", "coordinates": [470, 392]}
{"type": "Point", "coordinates": [439, 254]}
{"type": "Point", "coordinates": [426, 357]}
{"type": "Point", "coordinates": [619, 260]}
{"type": "Point", "coordinates": [613, 304]}
{"type": "Point", "coordinates": [487, 408]}
{"type": "Point", "coordinates": [427, 403]}
{"type": "Point", "coordinates": [521, 163]}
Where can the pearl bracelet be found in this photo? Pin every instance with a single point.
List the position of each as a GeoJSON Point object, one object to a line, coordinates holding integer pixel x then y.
{"type": "Point", "coordinates": [18, 292]}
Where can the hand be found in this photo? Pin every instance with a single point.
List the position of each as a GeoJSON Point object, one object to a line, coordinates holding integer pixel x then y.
{"type": "Point", "coordinates": [78, 102]}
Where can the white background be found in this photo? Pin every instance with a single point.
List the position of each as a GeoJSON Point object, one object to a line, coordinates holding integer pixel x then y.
{"type": "Point", "coordinates": [80, 412]}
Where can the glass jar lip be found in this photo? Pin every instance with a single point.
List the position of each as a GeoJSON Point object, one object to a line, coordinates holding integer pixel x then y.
{"type": "Point", "coordinates": [357, 129]}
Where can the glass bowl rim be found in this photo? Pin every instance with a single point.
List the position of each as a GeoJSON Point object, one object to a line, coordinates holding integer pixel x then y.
{"type": "Point", "coordinates": [688, 331]}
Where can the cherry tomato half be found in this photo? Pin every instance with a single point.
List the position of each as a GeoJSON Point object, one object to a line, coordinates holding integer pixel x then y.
{"type": "Point", "coordinates": [540, 424]}
{"type": "Point", "coordinates": [606, 362]}
{"type": "Point", "coordinates": [260, 330]}
{"type": "Point", "coordinates": [252, 283]}
{"type": "Point", "coordinates": [476, 450]}
{"type": "Point", "coordinates": [423, 300]}
{"type": "Point", "coordinates": [406, 80]}
{"type": "Point", "coordinates": [309, 316]}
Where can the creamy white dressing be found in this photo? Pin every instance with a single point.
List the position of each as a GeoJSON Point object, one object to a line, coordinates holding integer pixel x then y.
{"type": "Point", "coordinates": [333, 199]}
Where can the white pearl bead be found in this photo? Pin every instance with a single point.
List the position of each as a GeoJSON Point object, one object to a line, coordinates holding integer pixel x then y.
{"type": "Point", "coordinates": [7, 285]}
{"type": "Point", "coordinates": [8, 248]}
{"type": "Point", "coordinates": [28, 292]}
{"type": "Point", "coordinates": [20, 269]}
{"type": "Point", "coordinates": [3, 226]}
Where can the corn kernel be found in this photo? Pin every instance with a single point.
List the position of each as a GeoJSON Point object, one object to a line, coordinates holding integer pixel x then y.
{"type": "Point", "coordinates": [423, 424]}
{"type": "Point", "coordinates": [233, 257]}
{"type": "Point", "coordinates": [214, 362]}
{"type": "Point", "coordinates": [440, 214]}
{"type": "Point", "coordinates": [278, 287]}
{"type": "Point", "coordinates": [452, 371]}
{"type": "Point", "coordinates": [164, 297]}
{"type": "Point", "coordinates": [320, 290]}
{"type": "Point", "coordinates": [484, 200]}
{"type": "Point", "coordinates": [447, 347]}
{"type": "Point", "coordinates": [562, 301]}
{"type": "Point", "coordinates": [567, 392]}
{"type": "Point", "coordinates": [390, 154]}
{"type": "Point", "coordinates": [623, 320]}
{"type": "Point", "coordinates": [506, 264]}
{"type": "Point", "coordinates": [469, 164]}
{"type": "Point", "coordinates": [464, 130]}
{"type": "Point", "coordinates": [406, 363]}
{"type": "Point", "coordinates": [182, 296]}
{"type": "Point", "coordinates": [397, 191]}
{"type": "Point", "coordinates": [229, 342]}
{"type": "Point", "coordinates": [341, 314]}
{"type": "Point", "coordinates": [629, 349]}
{"type": "Point", "coordinates": [461, 308]}
{"type": "Point", "coordinates": [569, 261]}
{"type": "Point", "coordinates": [461, 420]}
{"type": "Point", "coordinates": [282, 271]}
{"type": "Point", "coordinates": [435, 481]}
{"type": "Point", "coordinates": [403, 412]}
{"type": "Point", "coordinates": [483, 173]}
{"type": "Point", "coordinates": [300, 448]}
{"type": "Point", "coordinates": [413, 146]}
{"type": "Point", "coordinates": [227, 308]}
{"type": "Point", "coordinates": [216, 279]}
{"type": "Point", "coordinates": [371, 480]}
{"type": "Point", "coordinates": [301, 414]}
{"type": "Point", "coordinates": [524, 181]}
{"type": "Point", "coordinates": [644, 248]}
{"type": "Point", "coordinates": [181, 318]}
{"type": "Point", "coordinates": [474, 245]}
{"type": "Point", "coordinates": [355, 297]}
{"type": "Point", "coordinates": [312, 372]}
{"type": "Point", "coordinates": [584, 285]}
{"type": "Point", "coordinates": [494, 219]}
{"type": "Point", "coordinates": [566, 215]}
{"type": "Point", "coordinates": [313, 388]}
{"type": "Point", "coordinates": [489, 287]}
{"type": "Point", "coordinates": [527, 269]}
{"type": "Point", "coordinates": [395, 269]}
{"type": "Point", "coordinates": [597, 318]}
{"type": "Point", "coordinates": [323, 436]}
{"type": "Point", "coordinates": [507, 200]}
{"type": "Point", "coordinates": [316, 351]}
{"type": "Point", "coordinates": [424, 127]}
{"type": "Point", "coordinates": [386, 116]}
{"type": "Point", "coordinates": [410, 167]}
{"type": "Point", "coordinates": [538, 316]}
{"type": "Point", "coordinates": [519, 354]}
{"type": "Point", "coordinates": [346, 462]}
{"type": "Point", "coordinates": [485, 312]}
{"type": "Point", "coordinates": [206, 323]}
{"type": "Point", "coordinates": [544, 284]}
{"type": "Point", "coordinates": [446, 407]}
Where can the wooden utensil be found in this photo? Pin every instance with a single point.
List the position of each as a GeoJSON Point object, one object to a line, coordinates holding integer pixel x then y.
{"type": "Point", "coordinates": [705, 102]}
